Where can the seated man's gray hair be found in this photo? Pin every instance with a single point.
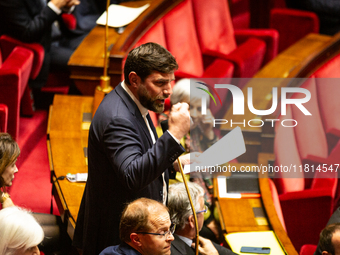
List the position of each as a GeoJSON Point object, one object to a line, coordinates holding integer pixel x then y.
{"type": "Point", "coordinates": [179, 204]}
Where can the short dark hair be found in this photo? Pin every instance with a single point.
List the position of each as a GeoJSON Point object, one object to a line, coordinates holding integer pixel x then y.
{"type": "Point", "coordinates": [326, 235]}
{"type": "Point", "coordinates": [147, 58]}
{"type": "Point", "coordinates": [135, 217]}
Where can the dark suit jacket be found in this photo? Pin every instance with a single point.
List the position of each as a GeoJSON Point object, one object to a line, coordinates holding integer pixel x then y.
{"type": "Point", "coordinates": [123, 165]}
{"type": "Point", "coordinates": [31, 21]}
{"type": "Point", "coordinates": [27, 20]}
{"type": "Point", "coordinates": [122, 249]}
{"type": "Point", "coordinates": [178, 247]}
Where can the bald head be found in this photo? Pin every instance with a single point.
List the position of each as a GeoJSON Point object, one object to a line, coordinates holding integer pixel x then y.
{"type": "Point", "coordinates": [136, 217]}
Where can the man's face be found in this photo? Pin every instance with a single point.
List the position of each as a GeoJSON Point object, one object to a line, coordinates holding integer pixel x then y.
{"type": "Point", "coordinates": [154, 90]}
{"type": "Point", "coordinates": [157, 244]}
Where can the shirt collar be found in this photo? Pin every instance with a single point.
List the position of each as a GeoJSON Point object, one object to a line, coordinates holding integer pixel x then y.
{"type": "Point", "coordinates": [188, 241]}
{"type": "Point", "coordinates": [141, 108]}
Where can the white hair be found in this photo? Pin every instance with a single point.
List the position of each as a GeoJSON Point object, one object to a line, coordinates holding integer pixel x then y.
{"type": "Point", "coordinates": [179, 204]}
{"type": "Point", "coordinates": [19, 230]}
{"type": "Point", "coordinates": [184, 91]}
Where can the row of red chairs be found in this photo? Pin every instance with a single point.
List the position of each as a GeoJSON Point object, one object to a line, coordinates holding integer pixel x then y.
{"type": "Point", "coordinates": [201, 36]}
{"type": "Point", "coordinates": [308, 199]}
{"type": "Point", "coordinates": [291, 24]}
{"type": "Point", "coordinates": [18, 63]}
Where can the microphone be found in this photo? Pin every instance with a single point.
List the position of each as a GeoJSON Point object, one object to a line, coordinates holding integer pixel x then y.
{"type": "Point", "coordinates": [165, 125]}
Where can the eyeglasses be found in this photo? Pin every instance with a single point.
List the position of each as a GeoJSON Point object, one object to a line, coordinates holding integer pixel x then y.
{"type": "Point", "coordinates": [165, 234]}
{"type": "Point", "coordinates": [203, 211]}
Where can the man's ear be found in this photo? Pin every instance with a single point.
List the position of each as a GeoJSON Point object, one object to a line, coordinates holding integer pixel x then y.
{"type": "Point", "coordinates": [191, 221]}
{"type": "Point", "coordinates": [326, 253]}
{"type": "Point", "coordinates": [134, 79]}
{"type": "Point", "coordinates": [135, 239]}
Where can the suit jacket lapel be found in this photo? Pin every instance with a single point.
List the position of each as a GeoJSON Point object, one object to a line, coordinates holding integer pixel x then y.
{"type": "Point", "coordinates": [133, 108]}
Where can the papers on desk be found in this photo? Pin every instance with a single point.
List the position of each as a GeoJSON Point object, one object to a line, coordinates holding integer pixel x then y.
{"type": "Point", "coordinates": [254, 239]}
{"type": "Point", "coordinates": [228, 148]}
{"type": "Point", "coordinates": [120, 16]}
{"type": "Point", "coordinates": [247, 187]}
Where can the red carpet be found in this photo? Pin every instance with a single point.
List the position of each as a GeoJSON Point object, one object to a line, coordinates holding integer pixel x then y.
{"type": "Point", "coordinates": [31, 187]}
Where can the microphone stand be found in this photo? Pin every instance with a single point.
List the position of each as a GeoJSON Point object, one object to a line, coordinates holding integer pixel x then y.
{"type": "Point", "coordinates": [191, 204]}
{"type": "Point", "coordinates": [104, 88]}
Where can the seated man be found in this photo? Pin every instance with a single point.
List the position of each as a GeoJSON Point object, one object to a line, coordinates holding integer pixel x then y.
{"type": "Point", "coordinates": [145, 228]}
{"type": "Point", "coordinates": [181, 215]}
{"type": "Point", "coordinates": [329, 242]}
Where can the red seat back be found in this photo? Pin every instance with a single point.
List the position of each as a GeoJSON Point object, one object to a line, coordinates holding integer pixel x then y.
{"type": "Point", "coordinates": [309, 133]}
{"type": "Point", "coordinates": [154, 34]}
{"type": "Point", "coordinates": [14, 74]}
{"type": "Point", "coordinates": [214, 26]}
{"type": "Point", "coordinates": [286, 153]}
{"type": "Point", "coordinates": [308, 249]}
{"type": "Point", "coordinates": [3, 117]}
{"type": "Point", "coordinates": [181, 40]}
{"type": "Point", "coordinates": [286, 21]}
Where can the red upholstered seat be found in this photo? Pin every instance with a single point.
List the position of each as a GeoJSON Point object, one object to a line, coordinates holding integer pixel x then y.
{"type": "Point", "coordinates": [240, 13]}
{"type": "Point", "coordinates": [247, 49]}
{"type": "Point", "coordinates": [3, 117]}
{"type": "Point", "coordinates": [8, 43]}
{"type": "Point", "coordinates": [182, 42]}
{"type": "Point", "coordinates": [277, 205]}
{"type": "Point", "coordinates": [286, 153]}
{"type": "Point", "coordinates": [58, 82]}
{"type": "Point", "coordinates": [15, 71]}
{"type": "Point", "coordinates": [154, 34]}
{"type": "Point", "coordinates": [308, 249]}
{"type": "Point", "coordinates": [305, 199]}
{"type": "Point", "coordinates": [309, 133]}
{"type": "Point", "coordinates": [293, 25]}
{"type": "Point", "coordinates": [328, 90]}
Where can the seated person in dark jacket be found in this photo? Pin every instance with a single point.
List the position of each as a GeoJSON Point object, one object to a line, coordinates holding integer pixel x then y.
{"type": "Point", "coordinates": [181, 215]}
{"type": "Point", "coordinates": [40, 21]}
{"type": "Point", "coordinates": [145, 228]}
{"type": "Point", "coordinates": [329, 242]}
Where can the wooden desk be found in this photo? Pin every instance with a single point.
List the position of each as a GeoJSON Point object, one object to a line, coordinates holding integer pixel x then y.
{"type": "Point", "coordinates": [67, 146]}
{"type": "Point", "coordinates": [87, 62]}
{"type": "Point", "coordinates": [300, 60]}
{"type": "Point", "coordinates": [252, 214]}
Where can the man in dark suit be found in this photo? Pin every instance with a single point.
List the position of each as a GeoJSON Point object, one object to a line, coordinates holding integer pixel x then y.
{"type": "Point", "coordinates": [126, 161]}
{"type": "Point", "coordinates": [145, 229]}
{"type": "Point", "coordinates": [181, 215]}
